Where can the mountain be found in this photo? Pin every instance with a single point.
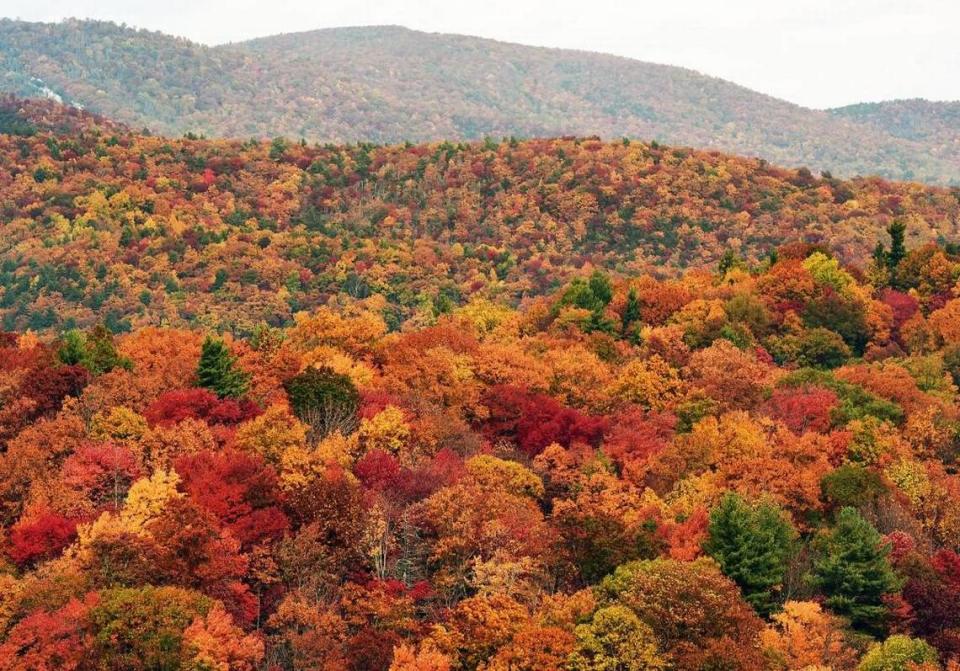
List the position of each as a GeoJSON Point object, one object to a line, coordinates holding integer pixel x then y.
{"type": "Point", "coordinates": [104, 224]}
{"type": "Point", "coordinates": [390, 84]}
{"type": "Point", "coordinates": [935, 124]}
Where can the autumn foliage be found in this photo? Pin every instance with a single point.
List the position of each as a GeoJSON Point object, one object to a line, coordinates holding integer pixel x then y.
{"type": "Point", "coordinates": [753, 468]}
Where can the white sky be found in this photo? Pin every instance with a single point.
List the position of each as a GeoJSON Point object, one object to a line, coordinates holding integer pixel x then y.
{"type": "Point", "coordinates": [819, 53]}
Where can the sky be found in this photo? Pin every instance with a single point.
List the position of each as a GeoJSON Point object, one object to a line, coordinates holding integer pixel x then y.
{"type": "Point", "coordinates": [817, 53]}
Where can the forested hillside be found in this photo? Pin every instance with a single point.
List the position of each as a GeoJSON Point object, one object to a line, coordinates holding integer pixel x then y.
{"type": "Point", "coordinates": [492, 406]}
{"type": "Point", "coordinates": [936, 124]}
{"type": "Point", "coordinates": [744, 470]}
{"type": "Point", "coordinates": [389, 84]}
{"type": "Point", "coordinates": [100, 224]}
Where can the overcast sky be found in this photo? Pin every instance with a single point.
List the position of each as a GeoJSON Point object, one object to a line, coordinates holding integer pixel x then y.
{"type": "Point", "coordinates": [819, 53]}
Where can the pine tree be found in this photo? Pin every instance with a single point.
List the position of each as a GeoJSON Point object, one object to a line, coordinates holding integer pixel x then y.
{"type": "Point", "coordinates": [218, 371]}
{"type": "Point", "coordinates": [898, 250]}
{"type": "Point", "coordinates": [631, 312]}
{"type": "Point", "coordinates": [752, 545]}
{"type": "Point", "coordinates": [727, 262]}
{"type": "Point", "coordinates": [880, 255]}
{"type": "Point", "coordinates": [852, 569]}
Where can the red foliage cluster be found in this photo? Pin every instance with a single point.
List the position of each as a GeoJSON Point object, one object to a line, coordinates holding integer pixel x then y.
{"type": "Point", "coordinates": [534, 421]}
{"type": "Point", "coordinates": [175, 406]}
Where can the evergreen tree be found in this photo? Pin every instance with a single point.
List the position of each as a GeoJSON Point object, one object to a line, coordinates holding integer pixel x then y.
{"type": "Point", "coordinates": [898, 250]}
{"type": "Point", "coordinates": [631, 312]}
{"type": "Point", "coordinates": [752, 545]}
{"type": "Point", "coordinates": [218, 371]}
{"type": "Point", "coordinates": [852, 569]}
{"type": "Point", "coordinates": [880, 255]}
{"type": "Point", "coordinates": [729, 261]}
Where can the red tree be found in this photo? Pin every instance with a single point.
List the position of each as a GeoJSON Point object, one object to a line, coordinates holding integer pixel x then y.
{"type": "Point", "coordinates": [535, 420]}
{"type": "Point", "coordinates": [240, 489]}
{"type": "Point", "coordinates": [41, 537]}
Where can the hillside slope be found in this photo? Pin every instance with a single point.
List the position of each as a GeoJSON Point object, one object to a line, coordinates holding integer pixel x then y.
{"type": "Point", "coordinates": [936, 124]}
{"type": "Point", "coordinates": [389, 84]}
{"type": "Point", "coordinates": [104, 224]}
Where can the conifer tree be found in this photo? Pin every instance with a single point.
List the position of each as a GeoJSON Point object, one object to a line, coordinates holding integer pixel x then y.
{"type": "Point", "coordinates": [889, 262]}
{"type": "Point", "coordinates": [218, 371]}
{"type": "Point", "coordinates": [853, 571]}
{"type": "Point", "coordinates": [752, 545]}
{"type": "Point", "coordinates": [898, 249]}
{"type": "Point", "coordinates": [631, 312]}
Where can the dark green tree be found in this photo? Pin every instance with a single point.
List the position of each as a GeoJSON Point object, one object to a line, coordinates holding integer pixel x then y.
{"type": "Point", "coordinates": [326, 400]}
{"type": "Point", "coordinates": [631, 311]}
{"type": "Point", "coordinates": [731, 260]}
{"type": "Point", "coordinates": [853, 571]}
{"type": "Point", "coordinates": [898, 252]}
{"type": "Point", "coordinates": [898, 249]}
{"type": "Point", "coordinates": [821, 348]}
{"type": "Point", "coordinates": [852, 485]}
{"type": "Point", "coordinates": [752, 545]}
{"type": "Point", "coordinates": [218, 370]}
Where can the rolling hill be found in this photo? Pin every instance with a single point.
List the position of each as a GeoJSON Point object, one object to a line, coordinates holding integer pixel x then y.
{"type": "Point", "coordinates": [935, 124]}
{"type": "Point", "coordinates": [104, 224]}
{"type": "Point", "coordinates": [390, 84]}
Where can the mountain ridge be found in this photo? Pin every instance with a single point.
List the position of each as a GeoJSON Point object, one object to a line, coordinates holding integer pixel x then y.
{"type": "Point", "coordinates": [391, 84]}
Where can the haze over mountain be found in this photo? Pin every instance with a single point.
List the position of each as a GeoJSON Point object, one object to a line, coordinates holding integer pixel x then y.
{"type": "Point", "coordinates": [390, 84]}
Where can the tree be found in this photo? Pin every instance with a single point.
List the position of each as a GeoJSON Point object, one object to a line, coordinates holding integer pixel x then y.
{"type": "Point", "coordinates": [534, 421]}
{"type": "Point", "coordinates": [733, 378]}
{"type": "Point", "coordinates": [591, 295]}
{"type": "Point", "coordinates": [898, 250]}
{"type": "Point", "coordinates": [615, 639]}
{"type": "Point", "coordinates": [218, 370]}
{"type": "Point", "coordinates": [41, 537]}
{"type": "Point", "coordinates": [802, 409]}
{"type": "Point", "coordinates": [752, 545]}
{"type": "Point", "coordinates": [44, 641]}
{"type": "Point", "coordinates": [143, 629]}
{"type": "Point", "coordinates": [853, 570]}
{"type": "Point", "coordinates": [533, 648]}
{"type": "Point", "coordinates": [324, 399]}
{"type": "Point", "coordinates": [803, 636]}
{"type": "Point", "coordinates": [426, 658]}
{"type": "Point", "coordinates": [175, 406]}
{"type": "Point", "coordinates": [95, 351]}
{"type": "Point", "coordinates": [899, 652]}
{"type": "Point", "coordinates": [194, 553]}
{"type": "Point", "coordinates": [215, 642]}
{"type": "Point", "coordinates": [821, 348]}
{"type": "Point", "coordinates": [697, 614]}
{"type": "Point", "coordinates": [852, 485]}
{"type": "Point", "coordinates": [239, 489]}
